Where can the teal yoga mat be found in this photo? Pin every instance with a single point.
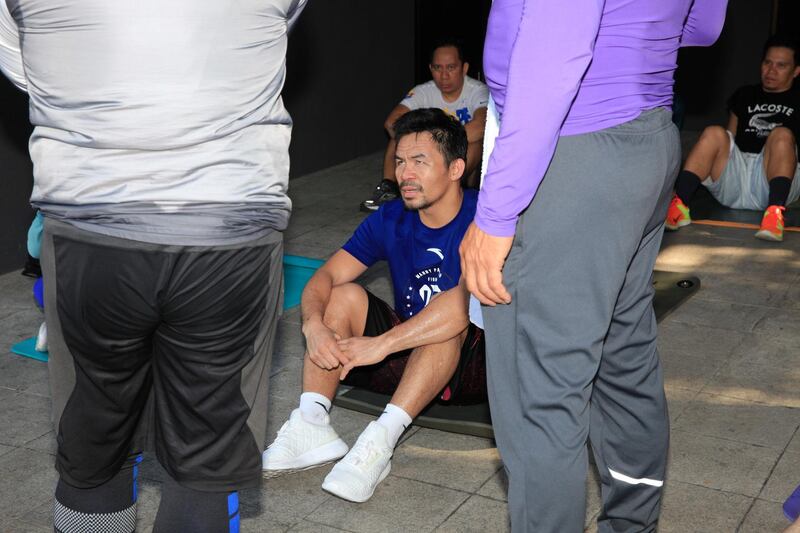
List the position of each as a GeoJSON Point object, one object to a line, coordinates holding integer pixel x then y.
{"type": "Point", "coordinates": [27, 348]}
{"type": "Point", "coordinates": [297, 270]}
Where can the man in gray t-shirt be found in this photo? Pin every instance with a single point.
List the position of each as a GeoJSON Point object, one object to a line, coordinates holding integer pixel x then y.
{"type": "Point", "coordinates": [452, 91]}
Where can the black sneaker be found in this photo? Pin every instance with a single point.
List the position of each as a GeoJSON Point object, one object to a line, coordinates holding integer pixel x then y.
{"type": "Point", "coordinates": [385, 191]}
{"type": "Point", "coordinates": [32, 268]}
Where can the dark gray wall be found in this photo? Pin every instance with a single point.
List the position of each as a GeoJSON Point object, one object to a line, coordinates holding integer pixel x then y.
{"type": "Point", "coordinates": [464, 20]}
{"type": "Point", "coordinates": [15, 176]}
{"type": "Point", "coordinates": [350, 62]}
{"type": "Point", "coordinates": [706, 77]}
{"type": "Point", "coordinates": [788, 20]}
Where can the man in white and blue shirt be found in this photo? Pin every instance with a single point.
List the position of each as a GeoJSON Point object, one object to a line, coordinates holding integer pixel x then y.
{"type": "Point", "coordinates": [455, 93]}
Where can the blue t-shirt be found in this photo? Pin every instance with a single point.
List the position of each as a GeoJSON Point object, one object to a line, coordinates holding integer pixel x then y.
{"type": "Point", "coordinates": [422, 260]}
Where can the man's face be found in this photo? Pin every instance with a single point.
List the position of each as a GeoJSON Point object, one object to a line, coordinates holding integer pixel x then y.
{"type": "Point", "coordinates": [778, 69]}
{"type": "Point", "coordinates": [447, 70]}
{"type": "Point", "coordinates": [421, 171]}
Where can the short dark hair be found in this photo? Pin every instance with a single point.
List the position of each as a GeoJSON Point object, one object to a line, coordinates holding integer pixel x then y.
{"type": "Point", "coordinates": [448, 133]}
{"type": "Point", "coordinates": [781, 41]}
{"type": "Point", "coordinates": [445, 42]}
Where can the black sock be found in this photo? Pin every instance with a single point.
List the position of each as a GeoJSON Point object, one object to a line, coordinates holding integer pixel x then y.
{"type": "Point", "coordinates": [686, 185]}
{"type": "Point", "coordinates": [185, 510]}
{"type": "Point", "coordinates": [779, 190]}
{"type": "Point", "coordinates": [115, 500]}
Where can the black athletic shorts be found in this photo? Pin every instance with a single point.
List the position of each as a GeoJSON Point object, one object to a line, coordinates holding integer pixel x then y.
{"type": "Point", "coordinates": [162, 345]}
{"type": "Point", "coordinates": [468, 384]}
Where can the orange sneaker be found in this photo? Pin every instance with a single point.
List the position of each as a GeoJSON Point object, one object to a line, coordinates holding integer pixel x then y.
{"type": "Point", "coordinates": [677, 214]}
{"type": "Point", "coordinates": [772, 224]}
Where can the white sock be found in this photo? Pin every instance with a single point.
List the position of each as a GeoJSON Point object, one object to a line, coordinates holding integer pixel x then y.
{"type": "Point", "coordinates": [395, 420]}
{"type": "Point", "coordinates": [314, 408]}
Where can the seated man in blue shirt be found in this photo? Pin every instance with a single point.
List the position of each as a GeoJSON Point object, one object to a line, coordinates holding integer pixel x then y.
{"type": "Point", "coordinates": [422, 349]}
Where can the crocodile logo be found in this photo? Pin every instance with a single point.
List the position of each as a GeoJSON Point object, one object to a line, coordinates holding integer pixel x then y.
{"type": "Point", "coordinates": [761, 124]}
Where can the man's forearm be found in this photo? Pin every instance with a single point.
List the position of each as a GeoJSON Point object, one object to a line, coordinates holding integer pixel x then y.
{"type": "Point", "coordinates": [475, 129]}
{"type": "Point", "coordinates": [396, 113]}
{"type": "Point", "coordinates": [315, 297]}
{"type": "Point", "coordinates": [474, 152]}
{"type": "Point", "coordinates": [445, 317]}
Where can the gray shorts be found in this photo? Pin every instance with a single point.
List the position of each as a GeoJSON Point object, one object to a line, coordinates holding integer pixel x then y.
{"type": "Point", "coordinates": [160, 346]}
{"type": "Point", "coordinates": [743, 184]}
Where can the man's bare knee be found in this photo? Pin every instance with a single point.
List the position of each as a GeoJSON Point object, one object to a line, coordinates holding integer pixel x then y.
{"type": "Point", "coordinates": [347, 305]}
{"type": "Point", "coordinates": [709, 155]}
{"type": "Point", "coordinates": [717, 136]}
{"type": "Point", "coordinates": [781, 136]}
{"type": "Point", "coordinates": [780, 153]}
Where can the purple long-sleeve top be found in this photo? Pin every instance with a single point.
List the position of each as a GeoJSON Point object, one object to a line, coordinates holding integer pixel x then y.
{"type": "Point", "coordinates": [562, 68]}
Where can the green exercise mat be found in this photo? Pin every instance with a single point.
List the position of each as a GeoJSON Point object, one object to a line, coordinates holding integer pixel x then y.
{"type": "Point", "coordinates": [672, 289]}
{"type": "Point", "coordinates": [467, 419]}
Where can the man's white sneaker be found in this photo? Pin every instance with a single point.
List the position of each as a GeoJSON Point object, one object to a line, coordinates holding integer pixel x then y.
{"type": "Point", "coordinates": [301, 445]}
{"type": "Point", "coordinates": [355, 477]}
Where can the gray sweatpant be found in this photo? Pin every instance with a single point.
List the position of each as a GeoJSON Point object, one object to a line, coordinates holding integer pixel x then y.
{"type": "Point", "coordinates": [574, 356]}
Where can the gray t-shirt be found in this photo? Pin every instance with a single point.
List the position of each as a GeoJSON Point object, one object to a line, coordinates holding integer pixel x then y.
{"type": "Point", "coordinates": [474, 95]}
{"type": "Point", "coordinates": [156, 121]}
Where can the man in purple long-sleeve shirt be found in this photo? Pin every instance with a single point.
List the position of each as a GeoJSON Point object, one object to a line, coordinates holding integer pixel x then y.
{"type": "Point", "coordinates": [578, 182]}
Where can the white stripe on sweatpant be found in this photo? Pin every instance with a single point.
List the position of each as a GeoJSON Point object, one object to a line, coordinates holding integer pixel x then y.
{"type": "Point", "coordinates": [634, 481]}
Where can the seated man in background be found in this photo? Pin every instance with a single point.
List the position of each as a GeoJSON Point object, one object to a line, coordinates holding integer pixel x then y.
{"type": "Point", "coordinates": [422, 349]}
{"type": "Point", "coordinates": [455, 93]}
{"type": "Point", "coordinates": [752, 164]}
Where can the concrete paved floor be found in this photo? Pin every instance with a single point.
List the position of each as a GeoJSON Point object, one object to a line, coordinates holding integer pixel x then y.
{"type": "Point", "coordinates": [732, 378]}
